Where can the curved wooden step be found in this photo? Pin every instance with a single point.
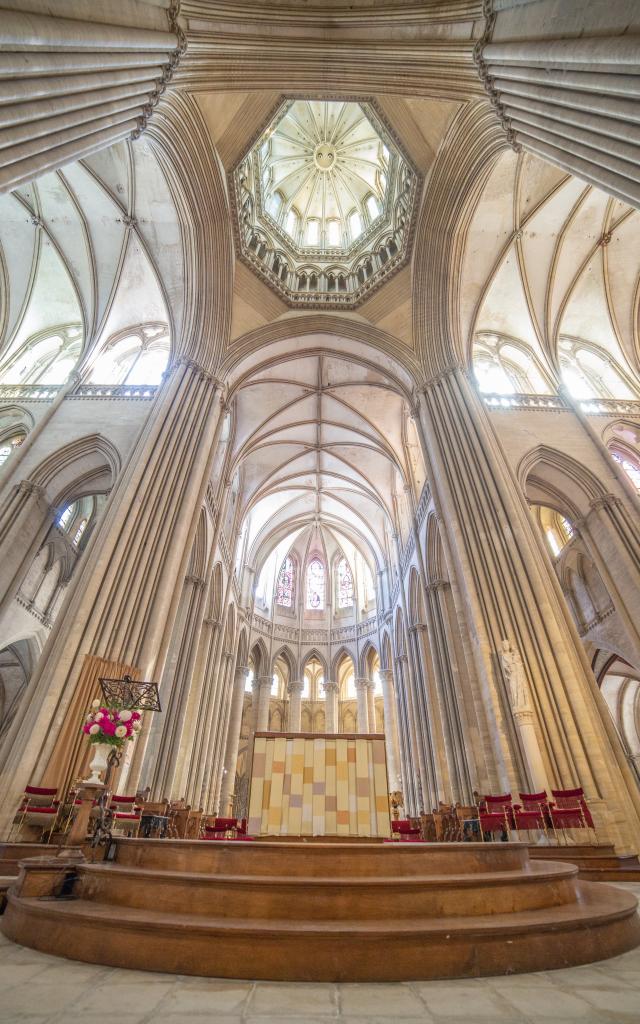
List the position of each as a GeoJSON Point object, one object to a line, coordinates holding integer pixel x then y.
{"type": "Point", "coordinates": [603, 922]}
{"type": "Point", "coordinates": [311, 897]}
{"type": "Point", "coordinates": [348, 860]}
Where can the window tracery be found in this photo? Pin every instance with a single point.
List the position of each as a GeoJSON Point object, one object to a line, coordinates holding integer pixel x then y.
{"type": "Point", "coordinates": [590, 374]}
{"type": "Point", "coordinates": [631, 468]}
{"type": "Point", "coordinates": [285, 584]}
{"type": "Point", "coordinates": [44, 359]}
{"type": "Point", "coordinates": [9, 446]}
{"type": "Point", "coordinates": [315, 585]}
{"type": "Point", "coordinates": [503, 366]}
{"type": "Point", "coordinates": [138, 357]}
{"type": "Point", "coordinates": [344, 584]}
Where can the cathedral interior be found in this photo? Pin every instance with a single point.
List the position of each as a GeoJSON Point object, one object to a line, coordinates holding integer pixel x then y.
{"type": "Point", "coordinates": [320, 411]}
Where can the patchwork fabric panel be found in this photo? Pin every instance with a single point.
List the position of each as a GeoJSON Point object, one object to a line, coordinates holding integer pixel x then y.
{"type": "Point", "coordinates": [324, 785]}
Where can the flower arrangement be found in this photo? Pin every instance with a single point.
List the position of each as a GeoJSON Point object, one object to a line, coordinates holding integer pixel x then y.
{"type": "Point", "coordinates": [111, 724]}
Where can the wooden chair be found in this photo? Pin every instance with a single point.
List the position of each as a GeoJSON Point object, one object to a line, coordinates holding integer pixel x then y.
{"type": "Point", "coordinates": [569, 810]}
{"type": "Point", "coordinates": [126, 815]}
{"type": "Point", "coordinates": [498, 816]}
{"type": "Point", "coordinates": [38, 809]}
{"type": "Point", "coordinates": [533, 813]}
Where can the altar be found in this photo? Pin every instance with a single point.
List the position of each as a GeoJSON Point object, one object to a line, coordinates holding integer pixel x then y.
{"type": "Point", "coordinates": [320, 784]}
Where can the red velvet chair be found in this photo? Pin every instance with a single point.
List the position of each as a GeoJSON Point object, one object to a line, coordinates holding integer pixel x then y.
{"type": "Point", "coordinates": [38, 809]}
{"type": "Point", "coordinates": [497, 814]}
{"type": "Point", "coordinates": [569, 810]}
{"type": "Point", "coordinates": [533, 813]}
{"type": "Point", "coordinates": [219, 828]}
{"type": "Point", "coordinates": [405, 832]}
{"type": "Point", "coordinates": [126, 816]}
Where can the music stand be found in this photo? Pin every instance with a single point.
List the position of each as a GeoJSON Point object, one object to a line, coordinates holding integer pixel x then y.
{"type": "Point", "coordinates": [129, 695]}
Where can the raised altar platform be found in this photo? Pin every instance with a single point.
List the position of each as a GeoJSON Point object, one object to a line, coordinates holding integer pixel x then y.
{"type": "Point", "coordinates": [322, 911]}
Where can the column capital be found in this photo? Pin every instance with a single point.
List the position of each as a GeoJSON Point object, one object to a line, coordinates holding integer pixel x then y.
{"type": "Point", "coordinates": [197, 581]}
{"type": "Point", "coordinates": [242, 670]}
{"type": "Point", "coordinates": [610, 501]}
{"type": "Point", "coordinates": [295, 686]}
{"type": "Point", "coordinates": [386, 675]}
{"type": "Point", "coordinates": [361, 683]}
{"type": "Point", "coordinates": [28, 487]}
{"type": "Point", "coordinates": [331, 687]}
{"type": "Point", "coordinates": [265, 681]}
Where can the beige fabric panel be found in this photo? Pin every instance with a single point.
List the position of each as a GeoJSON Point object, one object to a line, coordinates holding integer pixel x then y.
{"type": "Point", "coordinates": [319, 785]}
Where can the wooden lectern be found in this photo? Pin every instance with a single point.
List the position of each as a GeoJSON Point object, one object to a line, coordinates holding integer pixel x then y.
{"type": "Point", "coordinates": [327, 784]}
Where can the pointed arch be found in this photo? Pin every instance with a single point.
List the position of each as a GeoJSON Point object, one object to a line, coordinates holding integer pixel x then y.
{"type": "Point", "coordinates": [310, 655]}
{"type": "Point", "coordinates": [242, 649]}
{"type": "Point", "coordinates": [435, 568]}
{"type": "Point", "coordinates": [230, 628]}
{"type": "Point", "coordinates": [341, 654]}
{"type": "Point", "coordinates": [215, 593]}
{"type": "Point", "coordinates": [285, 654]}
{"type": "Point", "coordinates": [416, 598]}
{"type": "Point", "coordinates": [550, 477]}
{"type": "Point", "coordinates": [386, 658]}
{"type": "Point", "coordinates": [260, 658]}
{"type": "Point", "coordinates": [87, 465]}
{"type": "Point", "coordinates": [399, 634]}
{"type": "Point", "coordinates": [368, 654]}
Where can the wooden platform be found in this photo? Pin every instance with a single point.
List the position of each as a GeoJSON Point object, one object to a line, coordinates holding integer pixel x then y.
{"type": "Point", "coordinates": [595, 863]}
{"type": "Point", "coordinates": [323, 912]}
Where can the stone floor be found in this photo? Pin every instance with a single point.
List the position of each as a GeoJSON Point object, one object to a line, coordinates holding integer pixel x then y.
{"type": "Point", "coordinates": [39, 989]}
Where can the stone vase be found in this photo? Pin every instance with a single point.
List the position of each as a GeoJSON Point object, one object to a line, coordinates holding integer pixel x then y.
{"type": "Point", "coordinates": [98, 763]}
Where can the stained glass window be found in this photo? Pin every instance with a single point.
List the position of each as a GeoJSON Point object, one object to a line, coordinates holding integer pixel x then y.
{"type": "Point", "coordinates": [64, 520]}
{"type": "Point", "coordinates": [6, 449]}
{"type": "Point", "coordinates": [315, 584]}
{"type": "Point", "coordinates": [630, 469]}
{"type": "Point", "coordinates": [345, 584]}
{"type": "Point", "coordinates": [81, 528]}
{"type": "Point", "coordinates": [284, 588]}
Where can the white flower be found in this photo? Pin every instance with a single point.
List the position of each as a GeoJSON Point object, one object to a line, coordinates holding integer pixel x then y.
{"type": "Point", "coordinates": [121, 730]}
{"type": "Point", "coordinates": [89, 718]}
{"type": "Point", "coordinates": [95, 703]}
{"type": "Point", "coordinates": [94, 730]}
{"type": "Point", "coordinates": [124, 716]}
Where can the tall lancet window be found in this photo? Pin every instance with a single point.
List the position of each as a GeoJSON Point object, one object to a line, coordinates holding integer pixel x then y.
{"type": "Point", "coordinates": [284, 587]}
{"type": "Point", "coordinates": [315, 584]}
{"type": "Point", "coordinates": [345, 584]}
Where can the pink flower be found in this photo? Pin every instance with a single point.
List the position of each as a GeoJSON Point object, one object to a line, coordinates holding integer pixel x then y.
{"type": "Point", "coordinates": [108, 727]}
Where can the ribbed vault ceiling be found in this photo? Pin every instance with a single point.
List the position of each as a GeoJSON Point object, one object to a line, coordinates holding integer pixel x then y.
{"type": "Point", "coordinates": [94, 248]}
{"type": "Point", "coordinates": [323, 438]}
{"type": "Point", "coordinates": [551, 258]}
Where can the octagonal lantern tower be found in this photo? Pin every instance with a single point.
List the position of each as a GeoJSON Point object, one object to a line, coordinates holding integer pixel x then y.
{"type": "Point", "coordinates": [325, 202]}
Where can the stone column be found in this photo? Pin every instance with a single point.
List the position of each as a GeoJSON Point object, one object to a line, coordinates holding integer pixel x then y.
{"type": "Point", "coordinates": [233, 739]}
{"type": "Point", "coordinates": [123, 605]}
{"type": "Point", "coordinates": [520, 701]}
{"type": "Point", "coordinates": [371, 706]}
{"type": "Point", "coordinates": [294, 690]}
{"type": "Point", "coordinates": [255, 702]}
{"type": "Point", "coordinates": [175, 695]}
{"type": "Point", "coordinates": [89, 84]}
{"type": "Point", "coordinates": [262, 720]}
{"type": "Point", "coordinates": [391, 730]}
{"type": "Point", "coordinates": [568, 100]}
{"type": "Point", "coordinates": [510, 590]}
{"type": "Point", "coordinates": [362, 687]}
{"type": "Point", "coordinates": [331, 719]}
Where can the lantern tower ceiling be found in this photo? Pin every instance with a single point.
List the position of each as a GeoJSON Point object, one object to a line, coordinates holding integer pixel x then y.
{"type": "Point", "coordinates": [324, 202]}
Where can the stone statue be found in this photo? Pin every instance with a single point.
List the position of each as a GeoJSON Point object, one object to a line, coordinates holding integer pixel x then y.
{"type": "Point", "coordinates": [515, 678]}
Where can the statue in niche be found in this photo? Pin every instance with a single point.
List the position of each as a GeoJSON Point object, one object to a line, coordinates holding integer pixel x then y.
{"type": "Point", "coordinates": [513, 671]}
